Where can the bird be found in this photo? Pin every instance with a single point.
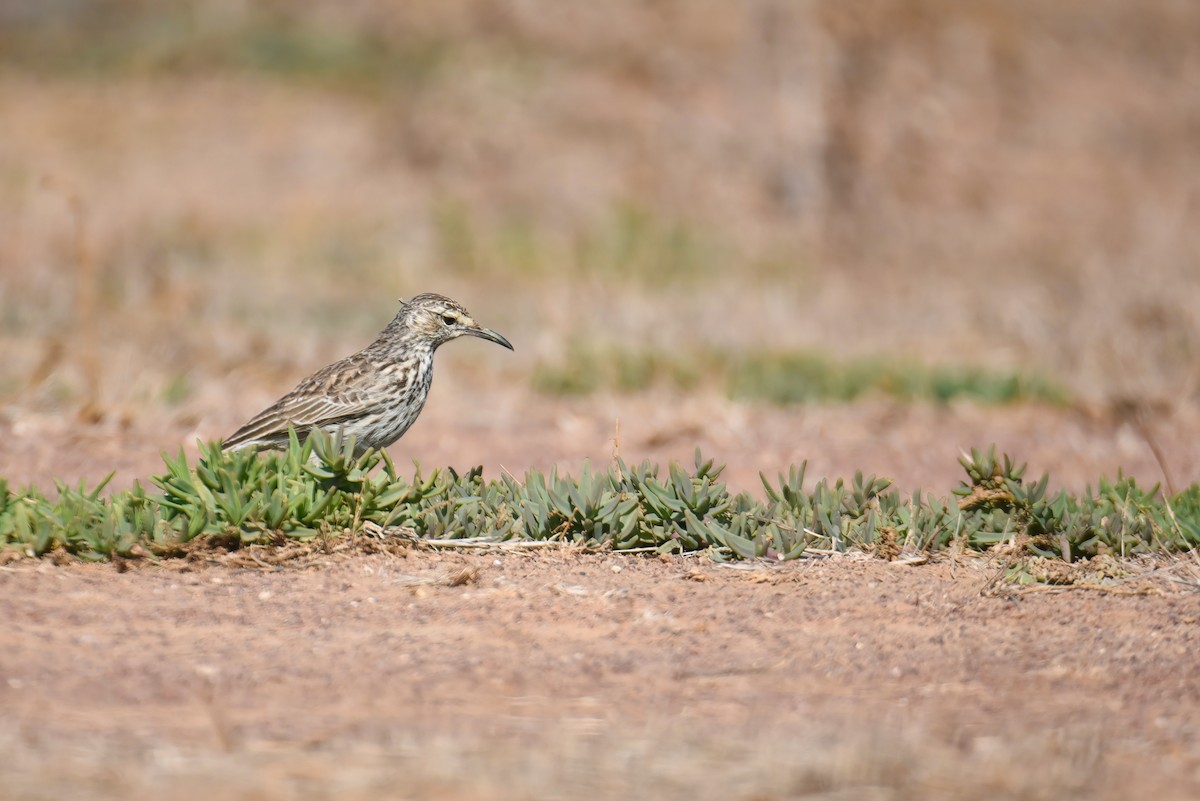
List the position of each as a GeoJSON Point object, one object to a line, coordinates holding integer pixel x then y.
{"type": "Point", "coordinates": [375, 394]}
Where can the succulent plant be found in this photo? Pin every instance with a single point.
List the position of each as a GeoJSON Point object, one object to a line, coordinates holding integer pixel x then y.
{"type": "Point", "coordinates": [321, 487]}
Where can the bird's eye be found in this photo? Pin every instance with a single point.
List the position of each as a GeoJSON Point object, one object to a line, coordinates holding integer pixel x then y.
{"type": "Point", "coordinates": [449, 319]}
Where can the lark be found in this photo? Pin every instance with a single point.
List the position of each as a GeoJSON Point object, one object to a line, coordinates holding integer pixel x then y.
{"type": "Point", "coordinates": [376, 394]}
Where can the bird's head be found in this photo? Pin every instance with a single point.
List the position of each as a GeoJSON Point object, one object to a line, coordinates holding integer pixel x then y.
{"type": "Point", "coordinates": [440, 319]}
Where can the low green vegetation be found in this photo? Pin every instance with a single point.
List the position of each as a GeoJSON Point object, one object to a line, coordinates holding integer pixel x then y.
{"type": "Point", "coordinates": [586, 370]}
{"type": "Point", "coordinates": [787, 377]}
{"type": "Point", "coordinates": [628, 242]}
{"type": "Point", "coordinates": [136, 39]}
{"type": "Point", "coordinates": [320, 489]}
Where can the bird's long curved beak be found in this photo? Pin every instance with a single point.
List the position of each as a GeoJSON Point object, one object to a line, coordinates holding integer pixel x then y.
{"type": "Point", "coordinates": [490, 335]}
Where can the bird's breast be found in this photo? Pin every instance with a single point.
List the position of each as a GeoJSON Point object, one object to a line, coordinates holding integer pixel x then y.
{"type": "Point", "coordinates": [410, 379]}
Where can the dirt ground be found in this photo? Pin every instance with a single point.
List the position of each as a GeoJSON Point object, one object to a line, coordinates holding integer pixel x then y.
{"type": "Point", "coordinates": [561, 675]}
{"type": "Point", "coordinates": [505, 428]}
{"type": "Point", "coordinates": [555, 674]}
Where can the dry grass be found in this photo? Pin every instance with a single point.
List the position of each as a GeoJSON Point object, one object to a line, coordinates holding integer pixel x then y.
{"type": "Point", "coordinates": [1003, 184]}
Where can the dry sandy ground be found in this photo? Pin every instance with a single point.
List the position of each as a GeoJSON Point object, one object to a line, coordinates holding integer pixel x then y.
{"type": "Point", "coordinates": [566, 675]}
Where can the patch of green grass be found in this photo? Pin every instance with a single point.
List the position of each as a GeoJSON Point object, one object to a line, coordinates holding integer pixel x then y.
{"type": "Point", "coordinates": [587, 370]}
{"type": "Point", "coordinates": [457, 236]}
{"type": "Point", "coordinates": [107, 40]}
{"type": "Point", "coordinates": [628, 243]}
{"type": "Point", "coordinates": [807, 377]}
{"type": "Point", "coordinates": [787, 377]}
{"type": "Point", "coordinates": [177, 390]}
{"type": "Point", "coordinates": [635, 242]}
{"type": "Point", "coordinates": [320, 488]}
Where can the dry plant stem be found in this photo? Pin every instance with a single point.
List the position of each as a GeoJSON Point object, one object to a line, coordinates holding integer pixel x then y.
{"type": "Point", "coordinates": [1141, 424]}
{"type": "Point", "coordinates": [1101, 588]}
{"type": "Point", "coordinates": [450, 578]}
{"type": "Point", "coordinates": [479, 544]}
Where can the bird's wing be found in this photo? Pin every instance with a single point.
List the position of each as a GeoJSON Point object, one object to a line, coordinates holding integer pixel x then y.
{"type": "Point", "coordinates": [315, 403]}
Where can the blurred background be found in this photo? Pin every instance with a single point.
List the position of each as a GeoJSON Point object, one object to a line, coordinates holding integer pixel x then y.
{"type": "Point", "coordinates": [780, 229]}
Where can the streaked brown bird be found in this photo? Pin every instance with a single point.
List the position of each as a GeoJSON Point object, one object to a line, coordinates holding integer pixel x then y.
{"type": "Point", "coordinates": [377, 393]}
